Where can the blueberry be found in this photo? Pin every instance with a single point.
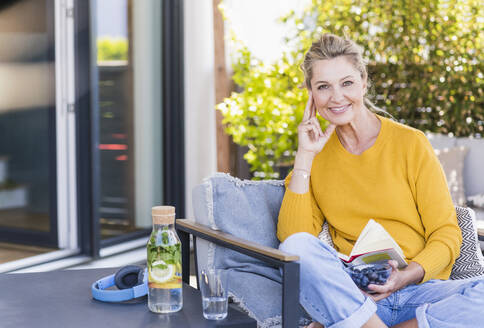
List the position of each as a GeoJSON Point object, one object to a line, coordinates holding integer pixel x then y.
{"type": "Point", "coordinates": [373, 276]}
{"type": "Point", "coordinates": [369, 274]}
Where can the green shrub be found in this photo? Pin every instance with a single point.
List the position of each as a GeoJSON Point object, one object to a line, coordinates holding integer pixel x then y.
{"type": "Point", "coordinates": [112, 49]}
{"type": "Point", "coordinates": [425, 64]}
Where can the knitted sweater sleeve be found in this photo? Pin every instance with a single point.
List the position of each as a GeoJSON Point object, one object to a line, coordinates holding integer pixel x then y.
{"type": "Point", "coordinates": [299, 213]}
{"type": "Point", "coordinates": [434, 203]}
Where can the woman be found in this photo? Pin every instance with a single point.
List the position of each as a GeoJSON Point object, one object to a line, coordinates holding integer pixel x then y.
{"type": "Point", "coordinates": [367, 166]}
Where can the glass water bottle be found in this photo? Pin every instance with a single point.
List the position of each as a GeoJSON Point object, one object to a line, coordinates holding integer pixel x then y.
{"type": "Point", "coordinates": [164, 263]}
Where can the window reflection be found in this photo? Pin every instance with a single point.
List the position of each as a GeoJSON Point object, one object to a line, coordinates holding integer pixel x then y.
{"type": "Point", "coordinates": [129, 113]}
{"type": "Point", "coordinates": [27, 114]}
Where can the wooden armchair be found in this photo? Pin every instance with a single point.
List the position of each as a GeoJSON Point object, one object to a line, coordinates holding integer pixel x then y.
{"type": "Point", "coordinates": [235, 229]}
{"type": "Point", "coordinates": [287, 262]}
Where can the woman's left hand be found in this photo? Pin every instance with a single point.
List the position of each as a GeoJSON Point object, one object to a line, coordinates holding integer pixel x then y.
{"type": "Point", "coordinates": [399, 279]}
{"type": "Point", "coordinates": [395, 282]}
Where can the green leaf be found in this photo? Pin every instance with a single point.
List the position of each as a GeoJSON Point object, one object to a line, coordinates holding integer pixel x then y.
{"type": "Point", "coordinates": [112, 49]}
{"type": "Point", "coordinates": [161, 266]}
{"type": "Point", "coordinates": [164, 237]}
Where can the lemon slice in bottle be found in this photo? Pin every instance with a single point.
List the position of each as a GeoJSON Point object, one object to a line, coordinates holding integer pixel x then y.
{"type": "Point", "coordinates": [159, 275]}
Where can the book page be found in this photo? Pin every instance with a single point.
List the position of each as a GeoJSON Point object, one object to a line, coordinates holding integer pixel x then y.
{"type": "Point", "coordinates": [370, 226]}
{"type": "Point", "coordinates": [374, 237]}
{"type": "Point", "coordinates": [380, 255]}
{"type": "Point", "coordinates": [343, 257]}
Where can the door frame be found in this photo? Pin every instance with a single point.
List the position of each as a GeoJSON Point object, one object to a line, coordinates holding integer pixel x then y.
{"type": "Point", "coordinates": [66, 126]}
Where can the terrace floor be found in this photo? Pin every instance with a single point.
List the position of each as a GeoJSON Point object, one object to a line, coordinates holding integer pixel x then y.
{"type": "Point", "coordinates": [11, 252]}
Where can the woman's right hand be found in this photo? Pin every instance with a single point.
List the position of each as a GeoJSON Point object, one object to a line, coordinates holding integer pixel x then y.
{"type": "Point", "coordinates": [311, 138]}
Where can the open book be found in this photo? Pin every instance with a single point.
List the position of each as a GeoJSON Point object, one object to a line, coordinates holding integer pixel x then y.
{"type": "Point", "coordinates": [374, 244]}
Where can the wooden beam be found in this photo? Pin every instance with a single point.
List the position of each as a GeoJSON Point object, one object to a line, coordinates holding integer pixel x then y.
{"type": "Point", "coordinates": [236, 241]}
{"type": "Point", "coordinates": [222, 89]}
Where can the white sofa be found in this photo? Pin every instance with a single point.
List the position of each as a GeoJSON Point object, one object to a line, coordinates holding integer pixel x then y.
{"type": "Point", "coordinates": [473, 163]}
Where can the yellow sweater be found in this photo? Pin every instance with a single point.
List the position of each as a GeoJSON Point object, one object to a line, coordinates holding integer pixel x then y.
{"type": "Point", "coordinates": [398, 182]}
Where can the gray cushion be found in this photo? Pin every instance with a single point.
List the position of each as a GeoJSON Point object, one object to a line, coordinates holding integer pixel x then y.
{"type": "Point", "coordinates": [452, 161]}
{"type": "Point", "coordinates": [470, 262]}
{"type": "Point", "coordinates": [473, 178]}
{"type": "Point", "coordinates": [246, 209]}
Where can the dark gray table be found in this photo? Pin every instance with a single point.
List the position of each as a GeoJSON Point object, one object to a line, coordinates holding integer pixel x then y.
{"type": "Point", "coordinates": [63, 299]}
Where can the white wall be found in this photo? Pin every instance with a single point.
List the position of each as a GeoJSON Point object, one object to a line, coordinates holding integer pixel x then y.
{"type": "Point", "coordinates": [200, 137]}
{"type": "Point", "coordinates": [255, 22]}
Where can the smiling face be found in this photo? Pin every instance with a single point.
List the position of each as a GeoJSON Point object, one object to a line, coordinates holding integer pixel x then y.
{"type": "Point", "coordinates": [338, 90]}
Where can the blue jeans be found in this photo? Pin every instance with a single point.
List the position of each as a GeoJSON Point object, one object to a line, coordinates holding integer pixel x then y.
{"type": "Point", "coordinates": [330, 297]}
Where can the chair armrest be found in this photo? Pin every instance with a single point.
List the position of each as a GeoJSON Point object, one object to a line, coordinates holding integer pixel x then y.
{"type": "Point", "coordinates": [204, 231]}
{"type": "Point", "coordinates": [287, 262]}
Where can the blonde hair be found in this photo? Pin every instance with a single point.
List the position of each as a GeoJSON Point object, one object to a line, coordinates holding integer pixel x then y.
{"type": "Point", "coordinates": [330, 46]}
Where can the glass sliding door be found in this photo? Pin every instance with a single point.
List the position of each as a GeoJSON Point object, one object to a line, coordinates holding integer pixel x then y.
{"type": "Point", "coordinates": [128, 41]}
{"type": "Point", "coordinates": [28, 200]}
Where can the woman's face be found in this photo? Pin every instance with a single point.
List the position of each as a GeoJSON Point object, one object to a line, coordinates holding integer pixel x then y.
{"type": "Point", "coordinates": [338, 90]}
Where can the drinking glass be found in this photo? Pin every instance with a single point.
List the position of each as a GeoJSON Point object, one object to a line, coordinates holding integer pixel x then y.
{"type": "Point", "coordinates": [213, 285]}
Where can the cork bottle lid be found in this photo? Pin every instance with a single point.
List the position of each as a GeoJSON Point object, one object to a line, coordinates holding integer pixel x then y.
{"type": "Point", "coordinates": [163, 214]}
{"type": "Point", "coordinates": [163, 210]}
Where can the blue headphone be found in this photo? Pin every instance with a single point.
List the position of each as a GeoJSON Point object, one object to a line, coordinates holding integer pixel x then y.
{"type": "Point", "coordinates": [131, 280]}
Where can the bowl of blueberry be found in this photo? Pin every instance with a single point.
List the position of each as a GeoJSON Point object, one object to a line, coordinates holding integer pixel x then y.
{"type": "Point", "coordinates": [366, 274]}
